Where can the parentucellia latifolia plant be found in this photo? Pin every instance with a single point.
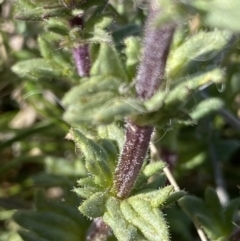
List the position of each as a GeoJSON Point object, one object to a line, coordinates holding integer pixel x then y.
{"type": "Point", "coordinates": [132, 67]}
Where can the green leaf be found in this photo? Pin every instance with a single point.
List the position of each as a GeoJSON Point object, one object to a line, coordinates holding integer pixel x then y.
{"type": "Point", "coordinates": [57, 25]}
{"type": "Point", "coordinates": [108, 63]}
{"type": "Point", "coordinates": [148, 220]}
{"type": "Point", "coordinates": [200, 47]}
{"type": "Point", "coordinates": [183, 90]}
{"type": "Point", "coordinates": [37, 69]}
{"type": "Point", "coordinates": [120, 227]}
{"type": "Point", "coordinates": [213, 230]}
{"type": "Point", "coordinates": [49, 52]}
{"type": "Point", "coordinates": [228, 214]}
{"type": "Point", "coordinates": [148, 171]}
{"type": "Point", "coordinates": [112, 152]}
{"type": "Point", "coordinates": [34, 14]}
{"type": "Point", "coordinates": [62, 228]}
{"type": "Point", "coordinates": [156, 198]}
{"type": "Point", "coordinates": [112, 132]}
{"type": "Point", "coordinates": [193, 206]}
{"type": "Point", "coordinates": [132, 217]}
{"type": "Point", "coordinates": [31, 12]}
{"type": "Point", "coordinates": [213, 204]}
{"type": "Point", "coordinates": [216, 10]}
{"type": "Point", "coordinates": [170, 12]}
{"type": "Point", "coordinates": [50, 180]}
{"type": "Point", "coordinates": [157, 182]}
{"type": "Point", "coordinates": [118, 109]}
{"type": "Point", "coordinates": [174, 197]}
{"type": "Point", "coordinates": [94, 206]}
{"type": "Point", "coordinates": [88, 4]}
{"type": "Point", "coordinates": [133, 52]}
{"type": "Point", "coordinates": [84, 110]}
{"type": "Point", "coordinates": [86, 192]}
{"type": "Point", "coordinates": [86, 182]}
{"type": "Point", "coordinates": [96, 158]}
{"type": "Point", "coordinates": [124, 32]}
{"type": "Point", "coordinates": [52, 220]}
{"type": "Point", "coordinates": [91, 86]}
{"type": "Point", "coordinates": [206, 107]}
{"type": "Point", "coordinates": [153, 168]}
{"type": "Point", "coordinates": [210, 215]}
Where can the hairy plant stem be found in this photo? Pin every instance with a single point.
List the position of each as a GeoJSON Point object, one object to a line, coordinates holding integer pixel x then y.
{"type": "Point", "coordinates": [133, 154]}
{"type": "Point", "coordinates": [98, 231]}
{"type": "Point", "coordinates": [149, 77]}
{"type": "Point", "coordinates": [81, 52]}
{"type": "Point", "coordinates": [82, 60]}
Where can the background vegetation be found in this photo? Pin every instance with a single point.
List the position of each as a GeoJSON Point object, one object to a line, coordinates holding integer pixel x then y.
{"type": "Point", "coordinates": [37, 162]}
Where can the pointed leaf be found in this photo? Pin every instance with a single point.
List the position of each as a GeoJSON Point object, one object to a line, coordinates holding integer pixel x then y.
{"type": "Point", "coordinates": [212, 229]}
{"type": "Point", "coordinates": [121, 228]}
{"type": "Point", "coordinates": [86, 192]}
{"type": "Point", "coordinates": [183, 90]}
{"type": "Point", "coordinates": [117, 109]}
{"type": "Point", "coordinates": [37, 69]}
{"type": "Point", "coordinates": [96, 158]}
{"type": "Point", "coordinates": [62, 228]}
{"type": "Point", "coordinates": [133, 51]}
{"type": "Point", "coordinates": [213, 204]}
{"type": "Point", "coordinates": [150, 221]}
{"type": "Point", "coordinates": [206, 107]}
{"type": "Point", "coordinates": [157, 182]}
{"type": "Point", "coordinates": [148, 171]}
{"type": "Point", "coordinates": [86, 182]}
{"type": "Point", "coordinates": [156, 198]}
{"type": "Point", "coordinates": [108, 63]}
{"type": "Point", "coordinates": [228, 214]}
{"type": "Point", "coordinates": [49, 52]}
{"type": "Point", "coordinates": [112, 132]}
{"type": "Point", "coordinates": [199, 47]}
{"type": "Point", "coordinates": [112, 152]}
{"type": "Point", "coordinates": [84, 109]}
{"type": "Point", "coordinates": [139, 222]}
{"type": "Point", "coordinates": [193, 206]}
{"type": "Point", "coordinates": [94, 206]}
{"type": "Point", "coordinates": [216, 10]}
{"type": "Point", "coordinates": [91, 86]}
{"type": "Point", "coordinates": [174, 197]}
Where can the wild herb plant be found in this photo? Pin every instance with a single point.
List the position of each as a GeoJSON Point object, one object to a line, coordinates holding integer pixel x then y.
{"type": "Point", "coordinates": [133, 70]}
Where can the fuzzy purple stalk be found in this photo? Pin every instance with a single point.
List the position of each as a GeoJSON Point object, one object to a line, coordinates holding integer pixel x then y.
{"type": "Point", "coordinates": [149, 78]}
{"type": "Point", "coordinates": [82, 60]}
{"type": "Point", "coordinates": [133, 154]}
{"type": "Point", "coordinates": [98, 230]}
{"type": "Point", "coordinates": [81, 52]}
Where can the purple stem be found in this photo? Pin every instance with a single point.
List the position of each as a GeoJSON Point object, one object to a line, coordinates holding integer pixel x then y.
{"type": "Point", "coordinates": [133, 154]}
{"type": "Point", "coordinates": [81, 53]}
{"type": "Point", "coordinates": [149, 77]}
{"type": "Point", "coordinates": [152, 67]}
{"type": "Point", "coordinates": [82, 60]}
{"type": "Point", "coordinates": [98, 230]}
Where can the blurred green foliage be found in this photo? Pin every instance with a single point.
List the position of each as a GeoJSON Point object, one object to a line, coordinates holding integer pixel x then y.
{"type": "Point", "coordinates": [37, 71]}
